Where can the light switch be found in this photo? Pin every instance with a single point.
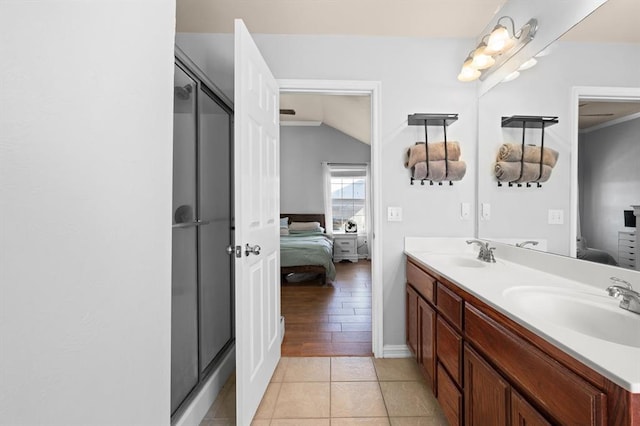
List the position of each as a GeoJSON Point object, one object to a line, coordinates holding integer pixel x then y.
{"type": "Point", "coordinates": [465, 211]}
{"type": "Point", "coordinates": [394, 214]}
{"type": "Point", "coordinates": [485, 211]}
{"type": "Point", "coordinates": [556, 217]}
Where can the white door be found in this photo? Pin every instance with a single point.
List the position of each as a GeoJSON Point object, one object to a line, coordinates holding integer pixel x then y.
{"type": "Point", "coordinates": [257, 207]}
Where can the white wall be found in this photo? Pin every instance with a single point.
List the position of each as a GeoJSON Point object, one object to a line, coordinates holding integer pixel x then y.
{"type": "Point", "coordinates": [544, 90]}
{"type": "Point", "coordinates": [417, 75]}
{"type": "Point", "coordinates": [302, 150]}
{"type": "Point", "coordinates": [85, 205]}
{"type": "Point", "coordinates": [610, 182]}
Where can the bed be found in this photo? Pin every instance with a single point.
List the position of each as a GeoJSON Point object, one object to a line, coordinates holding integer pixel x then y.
{"type": "Point", "coordinates": [307, 253]}
{"type": "Point", "coordinates": [592, 254]}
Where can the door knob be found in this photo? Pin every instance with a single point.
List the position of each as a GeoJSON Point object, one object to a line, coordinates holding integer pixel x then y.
{"type": "Point", "coordinates": [252, 249]}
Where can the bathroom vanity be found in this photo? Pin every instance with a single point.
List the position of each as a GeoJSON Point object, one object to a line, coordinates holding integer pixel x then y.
{"type": "Point", "coordinates": [509, 344]}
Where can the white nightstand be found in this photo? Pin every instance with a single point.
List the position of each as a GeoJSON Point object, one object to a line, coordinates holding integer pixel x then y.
{"type": "Point", "coordinates": [627, 249]}
{"type": "Point", "coordinates": [345, 247]}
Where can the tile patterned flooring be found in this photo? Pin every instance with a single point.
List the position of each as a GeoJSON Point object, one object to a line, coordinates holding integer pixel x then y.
{"type": "Point", "coordinates": [338, 391]}
{"type": "Point", "coordinates": [332, 319]}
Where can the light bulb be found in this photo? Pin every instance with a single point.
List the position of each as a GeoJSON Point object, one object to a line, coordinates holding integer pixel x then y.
{"type": "Point", "coordinates": [499, 40]}
{"type": "Point", "coordinates": [468, 74]}
{"type": "Point", "coordinates": [527, 64]}
{"type": "Point", "coordinates": [481, 60]}
{"type": "Point", "coordinates": [511, 76]}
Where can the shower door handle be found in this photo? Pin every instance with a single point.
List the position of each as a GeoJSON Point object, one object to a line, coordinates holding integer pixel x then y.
{"type": "Point", "coordinates": [191, 224]}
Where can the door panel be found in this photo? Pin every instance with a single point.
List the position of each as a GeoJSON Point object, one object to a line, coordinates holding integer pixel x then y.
{"type": "Point", "coordinates": [214, 235]}
{"type": "Point", "coordinates": [257, 204]}
{"type": "Point", "coordinates": [184, 291]}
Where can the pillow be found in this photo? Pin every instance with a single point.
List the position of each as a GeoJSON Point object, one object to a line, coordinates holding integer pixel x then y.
{"type": "Point", "coordinates": [284, 231]}
{"type": "Point", "coordinates": [304, 226]}
{"type": "Point", "coordinates": [318, 230]}
{"type": "Point", "coordinates": [284, 222]}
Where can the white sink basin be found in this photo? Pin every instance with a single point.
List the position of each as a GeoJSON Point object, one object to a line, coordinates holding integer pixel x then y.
{"type": "Point", "coordinates": [466, 262]}
{"type": "Point", "coordinates": [587, 313]}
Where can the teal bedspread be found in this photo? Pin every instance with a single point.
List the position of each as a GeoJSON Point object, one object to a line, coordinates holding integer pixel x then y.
{"type": "Point", "coordinates": [306, 249]}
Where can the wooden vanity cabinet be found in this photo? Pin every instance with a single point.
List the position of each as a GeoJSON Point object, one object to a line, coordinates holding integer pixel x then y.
{"type": "Point", "coordinates": [421, 320]}
{"type": "Point", "coordinates": [485, 369]}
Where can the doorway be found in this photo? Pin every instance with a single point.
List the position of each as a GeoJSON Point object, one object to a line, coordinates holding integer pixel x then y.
{"type": "Point", "coordinates": [372, 90]}
{"type": "Point", "coordinates": [325, 151]}
{"type": "Point", "coordinates": [581, 96]}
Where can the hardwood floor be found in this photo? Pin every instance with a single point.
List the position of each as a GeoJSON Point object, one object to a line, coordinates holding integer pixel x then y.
{"type": "Point", "coordinates": [330, 320]}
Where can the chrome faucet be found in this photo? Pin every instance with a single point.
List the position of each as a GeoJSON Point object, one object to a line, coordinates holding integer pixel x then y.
{"type": "Point", "coordinates": [524, 243]}
{"type": "Point", "coordinates": [486, 253]}
{"type": "Point", "coordinates": [630, 298]}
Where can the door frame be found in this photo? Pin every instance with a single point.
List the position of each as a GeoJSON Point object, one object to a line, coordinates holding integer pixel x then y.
{"type": "Point", "coordinates": [373, 89]}
{"type": "Point", "coordinates": [592, 93]}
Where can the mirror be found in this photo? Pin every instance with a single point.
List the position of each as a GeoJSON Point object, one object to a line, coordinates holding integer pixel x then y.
{"type": "Point", "coordinates": [598, 60]}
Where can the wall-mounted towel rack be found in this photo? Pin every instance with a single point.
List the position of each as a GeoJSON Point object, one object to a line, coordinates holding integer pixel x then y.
{"type": "Point", "coordinates": [529, 122]}
{"type": "Point", "coordinates": [427, 120]}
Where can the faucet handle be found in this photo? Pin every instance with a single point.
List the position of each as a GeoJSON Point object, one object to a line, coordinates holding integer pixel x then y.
{"type": "Point", "coordinates": [621, 282]}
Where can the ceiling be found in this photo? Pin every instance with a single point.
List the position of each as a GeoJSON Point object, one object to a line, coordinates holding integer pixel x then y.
{"type": "Point", "coordinates": [593, 113]}
{"type": "Point", "coordinates": [408, 18]}
{"type": "Point", "coordinates": [349, 114]}
{"type": "Point", "coordinates": [615, 21]}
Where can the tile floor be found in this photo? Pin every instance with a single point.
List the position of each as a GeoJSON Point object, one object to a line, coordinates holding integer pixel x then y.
{"type": "Point", "coordinates": [339, 391]}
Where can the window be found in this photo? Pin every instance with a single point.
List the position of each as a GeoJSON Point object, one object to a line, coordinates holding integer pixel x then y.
{"type": "Point", "coordinates": [348, 197]}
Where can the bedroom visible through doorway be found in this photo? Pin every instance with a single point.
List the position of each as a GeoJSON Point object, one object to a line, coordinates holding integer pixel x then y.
{"type": "Point", "coordinates": [327, 313]}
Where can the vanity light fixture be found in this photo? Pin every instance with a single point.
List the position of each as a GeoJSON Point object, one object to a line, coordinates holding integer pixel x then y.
{"type": "Point", "coordinates": [499, 47]}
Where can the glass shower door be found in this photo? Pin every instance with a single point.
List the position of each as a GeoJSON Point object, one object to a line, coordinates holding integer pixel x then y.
{"type": "Point", "coordinates": [184, 276]}
{"type": "Point", "coordinates": [216, 287]}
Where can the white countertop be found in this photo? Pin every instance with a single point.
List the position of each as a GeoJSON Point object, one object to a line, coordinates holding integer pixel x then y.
{"type": "Point", "coordinates": [491, 283]}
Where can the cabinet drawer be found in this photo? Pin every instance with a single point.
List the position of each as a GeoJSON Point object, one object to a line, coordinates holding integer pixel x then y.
{"type": "Point", "coordinates": [450, 305]}
{"type": "Point", "coordinates": [626, 236]}
{"type": "Point", "coordinates": [628, 252]}
{"type": "Point", "coordinates": [625, 263]}
{"type": "Point", "coordinates": [626, 244]}
{"type": "Point", "coordinates": [449, 397]}
{"type": "Point", "coordinates": [421, 281]}
{"type": "Point", "coordinates": [449, 348]}
{"type": "Point", "coordinates": [562, 394]}
{"type": "Point", "coordinates": [348, 245]}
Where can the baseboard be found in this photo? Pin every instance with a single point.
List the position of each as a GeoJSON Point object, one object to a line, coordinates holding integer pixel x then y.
{"type": "Point", "coordinates": [200, 404]}
{"type": "Point", "coordinates": [396, 351]}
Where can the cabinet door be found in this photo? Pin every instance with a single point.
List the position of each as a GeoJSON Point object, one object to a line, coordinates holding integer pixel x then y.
{"type": "Point", "coordinates": [412, 320]}
{"type": "Point", "coordinates": [523, 414]}
{"type": "Point", "coordinates": [486, 393]}
{"type": "Point", "coordinates": [426, 339]}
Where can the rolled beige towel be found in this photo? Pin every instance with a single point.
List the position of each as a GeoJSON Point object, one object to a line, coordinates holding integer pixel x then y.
{"type": "Point", "coordinates": [509, 171]}
{"type": "Point", "coordinates": [513, 152]}
{"type": "Point", "coordinates": [417, 153]}
{"type": "Point", "coordinates": [438, 172]}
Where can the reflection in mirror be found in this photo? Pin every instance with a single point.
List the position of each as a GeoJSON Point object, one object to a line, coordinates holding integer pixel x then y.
{"type": "Point", "coordinates": [608, 181]}
{"type": "Point", "coordinates": [602, 51]}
